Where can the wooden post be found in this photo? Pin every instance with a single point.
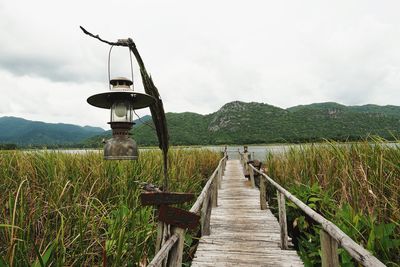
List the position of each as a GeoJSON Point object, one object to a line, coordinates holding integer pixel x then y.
{"type": "Point", "coordinates": [162, 236]}
{"type": "Point", "coordinates": [206, 214]}
{"type": "Point", "coordinates": [282, 220]}
{"type": "Point", "coordinates": [214, 188]}
{"type": "Point", "coordinates": [253, 184]}
{"type": "Point", "coordinates": [224, 166]}
{"type": "Point", "coordinates": [220, 176]}
{"type": "Point", "coordinates": [160, 227]}
{"type": "Point", "coordinates": [176, 252]}
{"type": "Point", "coordinates": [329, 253]}
{"type": "Point", "coordinates": [263, 193]}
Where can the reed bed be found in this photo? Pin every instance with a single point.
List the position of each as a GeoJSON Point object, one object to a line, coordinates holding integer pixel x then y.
{"type": "Point", "coordinates": [357, 186]}
{"type": "Point", "coordinates": [78, 210]}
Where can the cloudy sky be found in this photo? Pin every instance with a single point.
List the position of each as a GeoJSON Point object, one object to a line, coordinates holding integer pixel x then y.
{"type": "Point", "coordinates": [201, 54]}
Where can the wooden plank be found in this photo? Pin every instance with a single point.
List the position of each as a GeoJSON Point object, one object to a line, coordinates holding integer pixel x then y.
{"type": "Point", "coordinates": [178, 217]}
{"type": "Point", "coordinates": [241, 233]}
{"type": "Point", "coordinates": [164, 198]}
{"type": "Point", "coordinates": [163, 252]}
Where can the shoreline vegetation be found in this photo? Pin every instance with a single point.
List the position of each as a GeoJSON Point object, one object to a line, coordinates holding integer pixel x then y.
{"type": "Point", "coordinates": [71, 209]}
{"type": "Point", "coordinates": [372, 139]}
{"type": "Point", "coordinates": [77, 209]}
{"type": "Point", "coordinates": [356, 186]}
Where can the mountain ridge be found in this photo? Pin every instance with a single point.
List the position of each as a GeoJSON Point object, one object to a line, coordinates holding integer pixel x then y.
{"type": "Point", "coordinates": [235, 122]}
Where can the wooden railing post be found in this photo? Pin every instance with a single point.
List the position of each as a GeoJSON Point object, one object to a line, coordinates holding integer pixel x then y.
{"type": "Point", "coordinates": [220, 176]}
{"type": "Point", "coordinates": [176, 252]}
{"type": "Point", "coordinates": [223, 168]}
{"type": "Point", "coordinates": [282, 220]}
{"type": "Point", "coordinates": [162, 236]}
{"type": "Point", "coordinates": [206, 214]}
{"type": "Point", "coordinates": [214, 191]}
{"type": "Point", "coordinates": [329, 253]}
{"type": "Point", "coordinates": [263, 193]}
{"type": "Point", "coordinates": [253, 184]}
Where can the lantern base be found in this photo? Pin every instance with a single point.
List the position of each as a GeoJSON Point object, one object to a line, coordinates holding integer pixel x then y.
{"type": "Point", "coordinates": [121, 147]}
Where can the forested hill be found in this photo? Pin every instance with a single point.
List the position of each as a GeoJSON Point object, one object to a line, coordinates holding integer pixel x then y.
{"type": "Point", "coordinates": [234, 123]}
{"type": "Point", "coordinates": [23, 132]}
{"type": "Point", "coordinates": [246, 123]}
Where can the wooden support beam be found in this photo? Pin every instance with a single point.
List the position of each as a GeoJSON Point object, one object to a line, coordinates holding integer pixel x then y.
{"type": "Point", "coordinates": [282, 220]}
{"type": "Point", "coordinates": [263, 193]}
{"type": "Point", "coordinates": [251, 171]}
{"type": "Point", "coordinates": [163, 252]}
{"type": "Point", "coordinates": [214, 197]}
{"type": "Point", "coordinates": [176, 252]}
{"type": "Point", "coordinates": [206, 215]}
{"type": "Point", "coordinates": [160, 227]}
{"type": "Point", "coordinates": [329, 250]}
{"type": "Point", "coordinates": [220, 176]}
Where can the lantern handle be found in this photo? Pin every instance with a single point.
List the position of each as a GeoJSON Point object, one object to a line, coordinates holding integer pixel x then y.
{"type": "Point", "coordinates": [108, 64]}
{"type": "Point", "coordinates": [109, 68]}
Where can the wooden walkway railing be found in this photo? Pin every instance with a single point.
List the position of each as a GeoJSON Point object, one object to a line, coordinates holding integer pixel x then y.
{"type": "Point", "coordinates": [242, 234]}
{"type": "Point", "coordinates": [170, 253]}
{"type": "Point", "coordinates": [331, 236]}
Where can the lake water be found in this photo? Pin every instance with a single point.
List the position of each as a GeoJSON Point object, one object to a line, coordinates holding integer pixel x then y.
{"type": "Point", "coordinates": [259, 152]}
{"type": "Point", "coordinates": [256, 152]}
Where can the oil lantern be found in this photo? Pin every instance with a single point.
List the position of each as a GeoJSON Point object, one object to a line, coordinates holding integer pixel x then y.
{"type": "Point", "coordinates": [121, 99]}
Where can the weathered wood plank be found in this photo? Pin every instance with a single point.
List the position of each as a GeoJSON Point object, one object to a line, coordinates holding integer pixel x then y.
{"type": "Point", "coordinates": [164, 198]}
{"type": "Point", "coordinates": [241, 234]}
{"type": "Point", "coordinates": [163, 252]}
{"type": "Point", "coordinates": [178, 217]}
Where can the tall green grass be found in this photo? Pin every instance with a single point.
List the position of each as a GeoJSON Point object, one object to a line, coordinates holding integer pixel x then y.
{"type": "Point", "coordinates": [78, 210]}
{"type": "Point", "coordinates": [357, 186]}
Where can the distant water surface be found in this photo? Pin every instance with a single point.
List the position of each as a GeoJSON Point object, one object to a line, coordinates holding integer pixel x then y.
{"type": "Point", "coordinates": [259, 152]}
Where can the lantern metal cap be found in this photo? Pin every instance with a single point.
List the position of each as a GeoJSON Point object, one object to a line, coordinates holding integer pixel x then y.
{"type": "Point", "coordinates": [120, 80]}
{"type": "Point", "coordinates": [106, 100]}
{"type": "Point", "coordinates": [121, 92]}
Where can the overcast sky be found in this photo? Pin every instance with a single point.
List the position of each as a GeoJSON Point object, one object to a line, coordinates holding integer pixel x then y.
{"type": "Point", "coordinates": [201, 54]}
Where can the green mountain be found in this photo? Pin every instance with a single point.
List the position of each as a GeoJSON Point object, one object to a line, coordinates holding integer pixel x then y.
{"type": "Point", "coordinates": [25, 132]}
{"type": "Point", "coordinates": [234, 123]}
{"type": "Point", "coordinates": [246, 123]}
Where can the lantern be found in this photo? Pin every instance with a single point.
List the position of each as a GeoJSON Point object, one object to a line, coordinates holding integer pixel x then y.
{"type": "Point", "coordinates": [121, 99]}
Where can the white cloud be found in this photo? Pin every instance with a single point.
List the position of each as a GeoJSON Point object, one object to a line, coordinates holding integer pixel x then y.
{"type": "Point", "coordinates": [200, 54]}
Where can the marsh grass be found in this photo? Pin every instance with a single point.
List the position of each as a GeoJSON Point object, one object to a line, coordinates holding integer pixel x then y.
{"type": "Point", "coordinates": [77, 209]}
{"type": "Point", "coordinates": [355, 185]}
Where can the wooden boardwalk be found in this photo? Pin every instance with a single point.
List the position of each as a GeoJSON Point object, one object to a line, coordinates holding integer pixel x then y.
{"type": "Point", "coordinates": [241, 233]}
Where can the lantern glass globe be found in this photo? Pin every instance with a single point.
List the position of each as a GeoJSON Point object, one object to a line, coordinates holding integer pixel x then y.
{"type": "Point", "coordinates": [121, 112]}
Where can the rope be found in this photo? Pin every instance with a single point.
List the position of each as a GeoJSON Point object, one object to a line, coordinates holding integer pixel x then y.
{"type": "Point", "coordinates": [130, 57]}
{"type": "Point", "coordinates": [109, 72]}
